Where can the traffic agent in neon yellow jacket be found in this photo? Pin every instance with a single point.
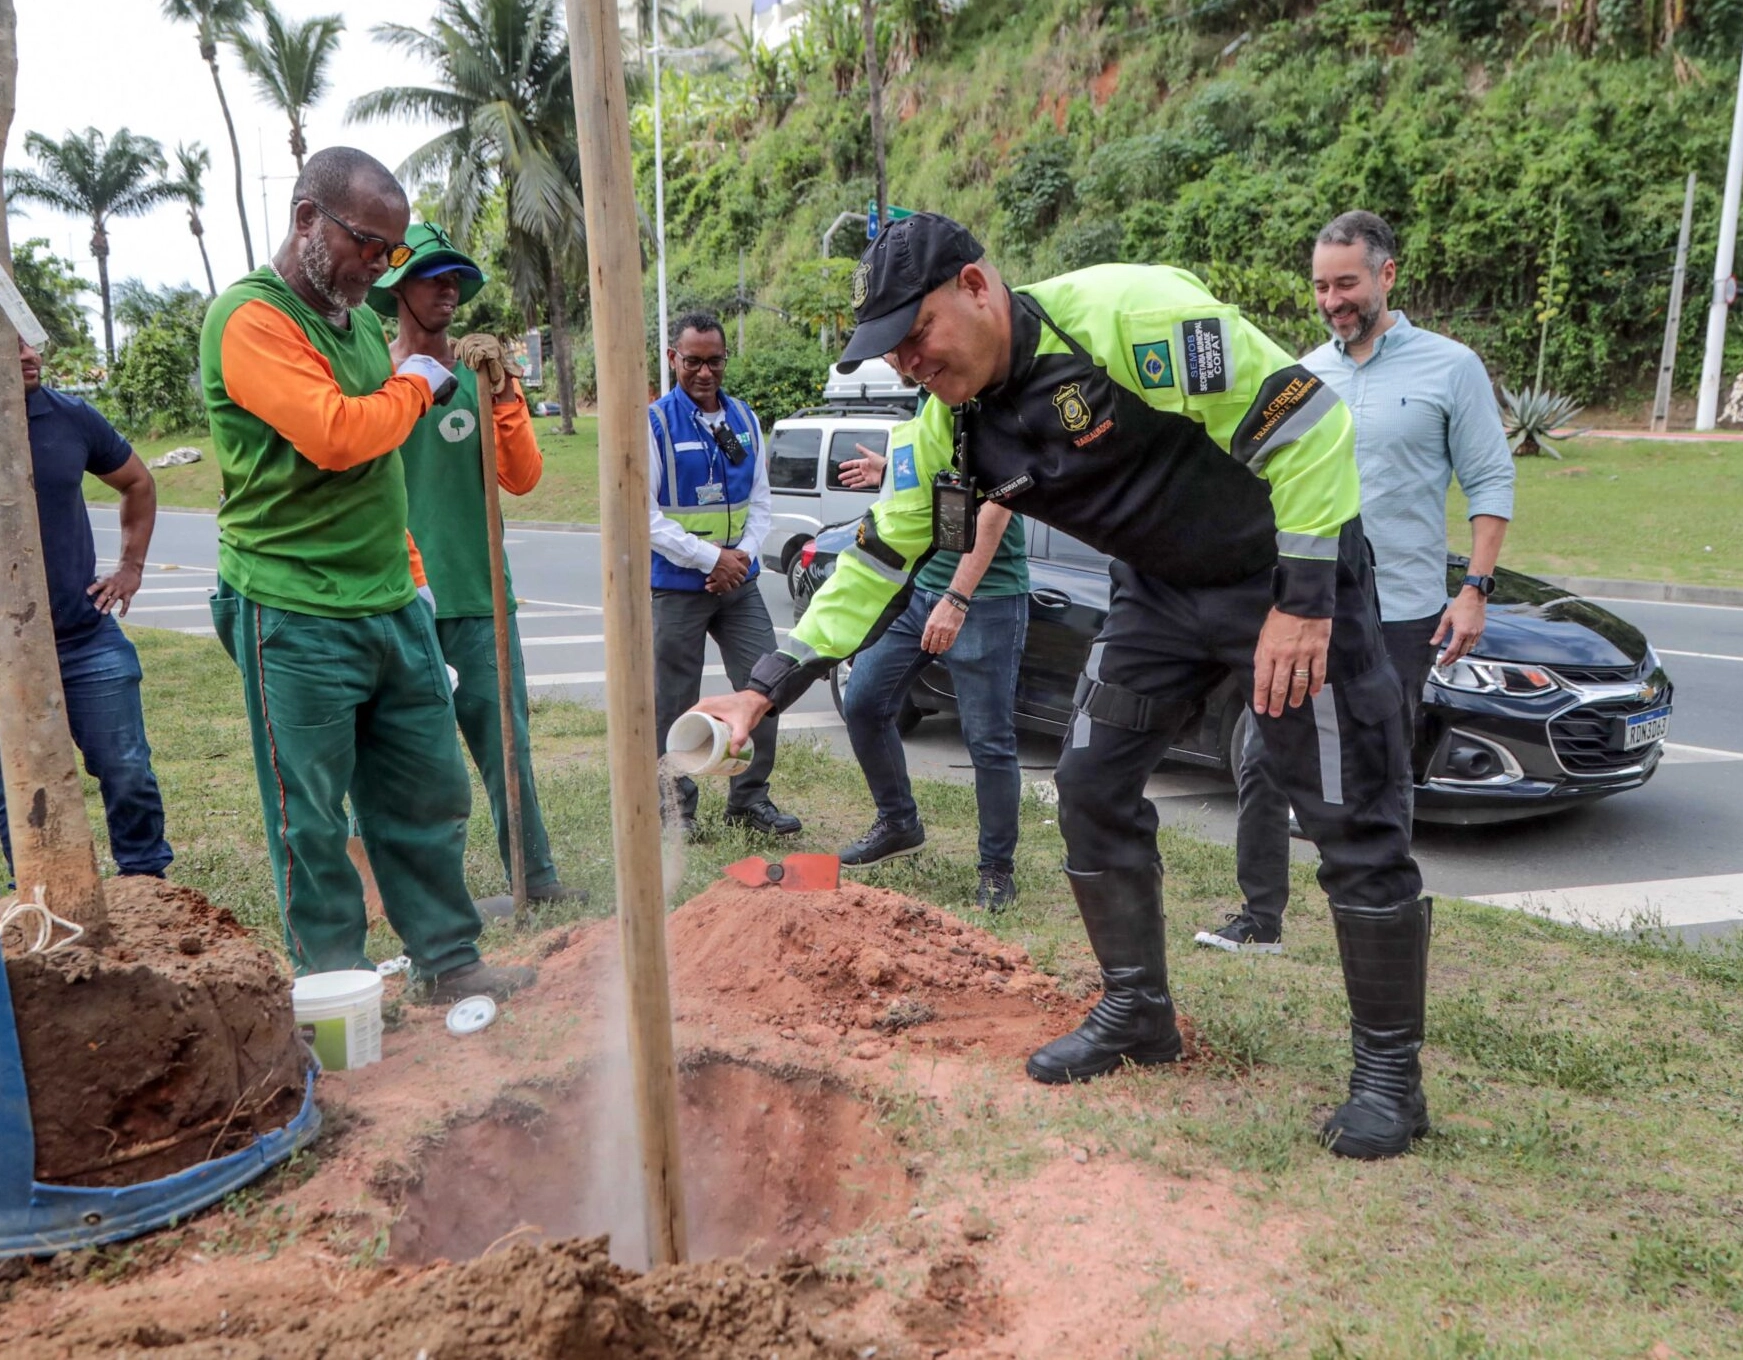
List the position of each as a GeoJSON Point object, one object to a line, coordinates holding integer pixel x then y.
{"type": "Point", "coordinates": [1140, 415]}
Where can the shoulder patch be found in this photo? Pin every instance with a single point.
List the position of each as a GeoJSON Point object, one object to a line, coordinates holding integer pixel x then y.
{"type": "Point", "coordinates": [906, 474]}
{"type": "Point", "coordinates": [1205, 360]}
{"type": "Point", "coordinates": [1154, 361]}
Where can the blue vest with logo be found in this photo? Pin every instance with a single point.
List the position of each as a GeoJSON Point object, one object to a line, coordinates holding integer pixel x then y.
{"type": "Point", "coordinates": [700, 487]}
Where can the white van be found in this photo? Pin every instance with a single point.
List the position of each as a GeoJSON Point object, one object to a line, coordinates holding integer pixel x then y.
{"type": "Point", "coordinates": [807, 449]}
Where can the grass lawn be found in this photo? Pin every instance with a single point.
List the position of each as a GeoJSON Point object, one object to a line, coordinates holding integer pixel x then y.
{"type": "Point", "coordinates": [1632, 509]}
{"type": "Point", "coordinates": [568, 493]}
{"type": "Point", "coordinates": [1583, 1196]}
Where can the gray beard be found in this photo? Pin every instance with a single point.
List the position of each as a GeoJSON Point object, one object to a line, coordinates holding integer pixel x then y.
{"type": "Point", "coordinates": [318, 271]}
{"type": "Point", "coordinates": [1368, 319]}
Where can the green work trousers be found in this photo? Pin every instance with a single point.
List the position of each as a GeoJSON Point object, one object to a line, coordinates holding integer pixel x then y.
{"type": "Point", "coordinates": [358, 706]}
{"type": "Point", "coordinates": [469, 646]}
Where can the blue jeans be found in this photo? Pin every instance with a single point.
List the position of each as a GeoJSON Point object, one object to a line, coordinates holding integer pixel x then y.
{"type": "Point", "coordinates": [100, 678]}
{"type": "Point", "coordinates": [983, 670]}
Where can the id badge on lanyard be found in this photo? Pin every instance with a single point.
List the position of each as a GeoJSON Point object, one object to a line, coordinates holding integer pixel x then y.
{"type": "Point", "coordinates": [953, 497]}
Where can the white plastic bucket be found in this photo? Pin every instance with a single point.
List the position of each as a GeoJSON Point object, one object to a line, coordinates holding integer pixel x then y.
{"type": "Point", "coordinates": [340, 1017]}
{"type": "Point", "coordinates": [696, 744]}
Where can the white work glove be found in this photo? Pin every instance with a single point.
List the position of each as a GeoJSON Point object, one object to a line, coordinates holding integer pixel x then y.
{"type": "Point", "coordinates": [428, 596]}
{"type": "Point", "coordinates": [442, 383]}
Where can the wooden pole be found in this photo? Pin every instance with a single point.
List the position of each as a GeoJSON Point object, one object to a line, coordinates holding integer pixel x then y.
{"type": "Point", "coordinates": [614, 265]}
{"type": "Point", "coordinates": [45, 801]}
{"type": "Point", "coordinates": [517, 854]}
{"type": "Point", "coordinates": [1673, 317]}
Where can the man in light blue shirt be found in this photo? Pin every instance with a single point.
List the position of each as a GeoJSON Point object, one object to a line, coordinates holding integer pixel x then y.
{"type": "Point", "coordinates": [1425, 412]}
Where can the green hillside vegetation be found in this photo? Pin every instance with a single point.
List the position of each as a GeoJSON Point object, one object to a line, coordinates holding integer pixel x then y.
{"type": "Point", "coordinates": [1221, 136]}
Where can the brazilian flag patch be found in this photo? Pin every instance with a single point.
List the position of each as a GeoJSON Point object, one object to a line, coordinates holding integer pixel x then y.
{"type": "Point", "coordinates": [1154, 363]}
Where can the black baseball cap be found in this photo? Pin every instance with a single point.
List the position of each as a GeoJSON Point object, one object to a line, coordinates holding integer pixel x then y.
{"type": "Point", "coordinates": [910, 258]}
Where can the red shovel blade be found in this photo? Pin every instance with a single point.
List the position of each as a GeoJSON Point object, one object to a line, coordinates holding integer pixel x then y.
{"type": "Point", "coordinates": [796, 873]}
{"type": "Point", "coordinates": [752, 872]}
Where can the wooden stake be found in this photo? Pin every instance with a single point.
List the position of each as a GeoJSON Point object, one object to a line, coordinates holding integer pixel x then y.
{"type": "Point", "coordinates": [517, 854]}
{"type": "Point", "coordinates": [615, 271]}
{"type": "Point", "coordinates": [45, 801]}
{"type": "Point", "coordinates": [1673, 314]}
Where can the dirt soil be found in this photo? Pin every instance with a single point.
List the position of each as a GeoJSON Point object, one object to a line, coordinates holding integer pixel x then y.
{"type": "Point", "coordinates": [817, 1032]}
{"type": "Point", "coordinates": [171, 1045]}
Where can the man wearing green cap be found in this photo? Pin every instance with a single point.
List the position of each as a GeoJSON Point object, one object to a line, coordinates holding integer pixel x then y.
{"type": "Point", "coordinates": [450, 541]}
{"type": "Point", "coordinates": [342, 675]}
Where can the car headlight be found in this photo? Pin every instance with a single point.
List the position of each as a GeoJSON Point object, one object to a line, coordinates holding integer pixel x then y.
{"type": "Point", "coordinates": [1494, 677]}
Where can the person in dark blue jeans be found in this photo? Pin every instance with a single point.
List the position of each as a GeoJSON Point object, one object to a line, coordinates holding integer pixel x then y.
{"type": "Point", "coordinates": [99, 667]}
{"type": "Point", "coordinates": [972, 613]}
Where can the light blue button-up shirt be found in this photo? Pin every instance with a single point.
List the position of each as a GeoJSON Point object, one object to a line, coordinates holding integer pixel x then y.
{"type": "Point", "coordinates": [1424, 413]}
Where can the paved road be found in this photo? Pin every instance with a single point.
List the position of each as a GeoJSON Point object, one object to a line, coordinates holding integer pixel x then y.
{"type": "Point", "coordinates": [1672, 851]}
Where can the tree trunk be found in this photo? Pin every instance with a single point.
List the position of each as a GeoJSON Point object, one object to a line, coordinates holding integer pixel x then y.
{"type": "Point", "coordinates": [51, 838]}
{"type": "Point", "coordinates": [875, 79]}
{"type": "Point", "coordinates": [298, 144]}
{"type": "Point", "coordinates": [100, 249]}
{"type": "Point", "coordinates": [235, 160]}
{"type": "Point", "coordinates": [563, 355]}
{"type": "Point", "coordinates": [205, 259]}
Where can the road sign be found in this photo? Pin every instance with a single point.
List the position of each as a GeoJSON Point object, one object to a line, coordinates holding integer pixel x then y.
{"type": "Point", "coordinates": [871, 217]}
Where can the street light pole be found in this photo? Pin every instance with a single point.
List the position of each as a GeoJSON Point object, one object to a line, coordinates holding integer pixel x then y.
{"type": "Point", "coordinates": [660, 206]}
{"type": "Point", "coordinates": [1707, 412]}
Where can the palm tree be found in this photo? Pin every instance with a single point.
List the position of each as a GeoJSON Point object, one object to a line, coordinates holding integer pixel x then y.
{"type": "Point", "coordinates": [90, 175]}
{"type": "Point", "coordinates": [288, 61]}
{"type": "Point", "coordinates": [192, 162]}
{"type": "Point", "coordinates": [503, 92]}
{"type": "Point", "coordinates": [212, 18]}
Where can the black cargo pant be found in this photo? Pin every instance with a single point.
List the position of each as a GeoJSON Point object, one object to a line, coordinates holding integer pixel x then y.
{"type": "Point", "coordinates": [1262, 824]}
{"type": "Point", "coordinates": [1342, 756]}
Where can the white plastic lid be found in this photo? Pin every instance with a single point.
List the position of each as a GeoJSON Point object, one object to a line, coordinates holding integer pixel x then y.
{"type": "Point", "coordinates": [348, 985]}
{"type": "Point", "coordinates": [471, 1014]}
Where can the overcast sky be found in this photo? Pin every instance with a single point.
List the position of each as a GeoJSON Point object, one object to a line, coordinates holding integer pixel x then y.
{"type": "Point", "coordinates": [115, 63]}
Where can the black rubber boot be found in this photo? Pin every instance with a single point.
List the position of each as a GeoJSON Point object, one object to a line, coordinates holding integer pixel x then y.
{"type": "Point", "coordinates": [1385, 957]}
{"type": "Point", "coordinates": [1134, 1020]}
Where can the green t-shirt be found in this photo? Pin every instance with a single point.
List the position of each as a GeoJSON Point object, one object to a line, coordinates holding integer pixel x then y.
{"type": "Point", "coordinates": [290, 534]}
{"type": "Point", "coordinates": [1006, 574]}
{"type": "Point", "coordinates": [444, 483]}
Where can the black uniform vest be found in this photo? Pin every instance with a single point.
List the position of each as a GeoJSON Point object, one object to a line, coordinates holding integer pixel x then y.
{"type": "Point", "coordinates": [1062, 441]}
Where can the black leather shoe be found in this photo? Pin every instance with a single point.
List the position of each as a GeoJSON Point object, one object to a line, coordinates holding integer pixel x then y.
{"type": "Point", "coordinates": [1134, 1020]}
{"type": "Point", "coordinates": [765, 819]}
{"type": "Point", "coordinates": [884, 841]}
{"type": "Point", "coordinates": [1385, 958]}
{"type": "Point", "coordinates": [998, 889]}
{"type": "Point", "coordinates": [474, 979]}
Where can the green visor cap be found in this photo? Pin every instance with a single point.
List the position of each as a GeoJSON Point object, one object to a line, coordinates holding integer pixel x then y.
{"type": "Point", "coordinates": [432, 253]}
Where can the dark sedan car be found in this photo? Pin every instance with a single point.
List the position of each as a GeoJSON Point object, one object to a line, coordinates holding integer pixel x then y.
{"type": "Point", "coordinates": [1566, 703]}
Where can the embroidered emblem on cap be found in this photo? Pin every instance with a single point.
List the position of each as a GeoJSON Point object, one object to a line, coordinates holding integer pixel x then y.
{"type": "Point", "coordinates": [861, 284]}
{"type": "Point", "coordinates": [1073, 409]}
{"type": "Point", "coordinates": [1155, 364]}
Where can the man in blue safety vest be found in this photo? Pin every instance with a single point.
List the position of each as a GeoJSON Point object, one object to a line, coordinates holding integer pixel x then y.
{"type": "Point", "coordinates": [708, 512]}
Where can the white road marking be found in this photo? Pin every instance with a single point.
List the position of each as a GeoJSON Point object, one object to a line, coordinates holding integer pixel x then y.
{"type": "Point", "coordinates": [1626, 906]}
{"type": "Point", "coordinates": [172, 590]}
{"type": "Point", "coordinates": [163, 608]}
{"type": "Point", "coordinates": [562, 604]}
{"type": "Point", "coordinates": [1701, 656]}
{"type": "Point", "coordinates": [1656, 604]}
{"type": "Point", "coordinates": [582, 639]}
{"type": "Point", "coordinates": [591, 677]}
{"type": "Point", "coordinates": [1677, 754]}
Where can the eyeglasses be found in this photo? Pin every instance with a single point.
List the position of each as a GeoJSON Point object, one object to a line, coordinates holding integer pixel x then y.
{"type": "Point", "coordinates": [371, 248]}
{"type": "Point", "coordinates": [695, 363]}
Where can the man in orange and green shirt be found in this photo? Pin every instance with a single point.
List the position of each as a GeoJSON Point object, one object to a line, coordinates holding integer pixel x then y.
{"type": "Point", "coordinates": [451, 547]}
{"type": "Point", "coordinates": [342, 675]}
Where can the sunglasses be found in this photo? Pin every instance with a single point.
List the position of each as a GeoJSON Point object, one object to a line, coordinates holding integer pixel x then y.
{"type": "Point", "coordinates": [371, 248]}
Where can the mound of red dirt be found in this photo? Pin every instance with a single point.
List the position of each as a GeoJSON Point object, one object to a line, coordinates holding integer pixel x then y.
{"type": "Point", "coordinates": [859, 964]}
{"type": "Point", "coordinates": [170, 1045]}
{"type": "Point", "coordinates": [557, 1301]}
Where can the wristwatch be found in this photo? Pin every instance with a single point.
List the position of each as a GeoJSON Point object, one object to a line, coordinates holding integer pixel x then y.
{"type": "Point", "coordinates": [1484, 585]}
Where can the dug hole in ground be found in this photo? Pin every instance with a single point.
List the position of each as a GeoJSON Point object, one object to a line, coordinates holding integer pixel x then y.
{"type": "Point", "coordinates": [837, 1049]}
